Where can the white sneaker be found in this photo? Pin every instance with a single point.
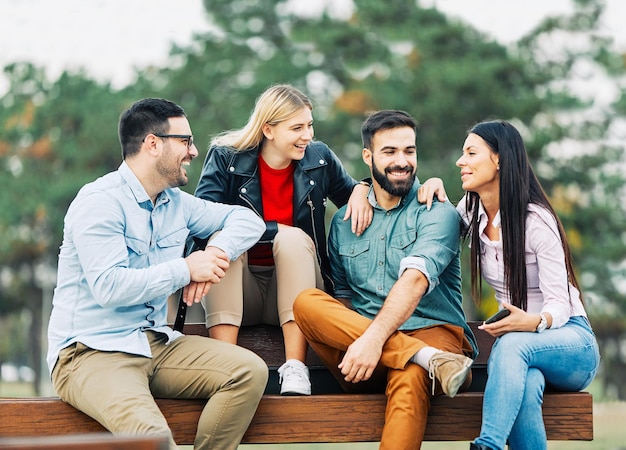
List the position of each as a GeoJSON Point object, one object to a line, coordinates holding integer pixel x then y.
{"type": "Point", "coordinates": [294, 379]}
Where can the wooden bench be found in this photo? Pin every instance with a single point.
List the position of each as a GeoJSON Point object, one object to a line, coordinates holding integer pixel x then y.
{"type": "Point", "coordinates": [329, 415]}
{"type": "Point", "coordinates": [92, 441]}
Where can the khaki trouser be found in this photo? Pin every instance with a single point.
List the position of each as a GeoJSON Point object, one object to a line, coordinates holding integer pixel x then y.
{"type": "Point", "coordinates": [118, 389]}
{"type": "Point", "coordinates": [250, 295]}
{"type": "Point", "coordinates": [330, 328]}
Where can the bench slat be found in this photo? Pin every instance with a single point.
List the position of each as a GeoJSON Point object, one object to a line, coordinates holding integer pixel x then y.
{"type": "Point", "coordinates": [318, 418]}
{"type": "Point", "coordinates": [328, 416]}
{"type": "Point", "coordinates": [92, 441]}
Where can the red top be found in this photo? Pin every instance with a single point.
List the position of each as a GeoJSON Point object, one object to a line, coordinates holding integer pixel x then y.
{"type": "Point", "coordinates": [277, 197]}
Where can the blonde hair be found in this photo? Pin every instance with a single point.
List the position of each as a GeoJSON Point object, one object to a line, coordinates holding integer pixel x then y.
{"type": "Point", "coordinates": [277, 104]}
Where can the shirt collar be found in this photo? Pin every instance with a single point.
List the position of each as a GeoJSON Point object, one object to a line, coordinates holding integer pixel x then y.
{"type": "Point", "coordinates": [371, 196]}
{"type": "Point", "coordinates": [482, 218]}
{"type": "Point", "coordinates": [137, 189]}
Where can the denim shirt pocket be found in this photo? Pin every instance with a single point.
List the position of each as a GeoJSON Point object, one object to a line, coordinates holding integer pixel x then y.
{"type": "Point", "coordinates": [355, 260]}
{"type": "Point", "coordinates": [399, 242]}
{"type": "Point", "coordinates": [172, 245]}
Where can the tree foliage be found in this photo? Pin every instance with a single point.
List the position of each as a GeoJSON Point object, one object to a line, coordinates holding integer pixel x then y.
{"type": "Point", "coordinates": [56, 136]}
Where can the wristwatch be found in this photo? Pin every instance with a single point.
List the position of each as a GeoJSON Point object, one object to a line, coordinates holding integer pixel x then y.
{"type": "Point", "coordinates": [543, 323]}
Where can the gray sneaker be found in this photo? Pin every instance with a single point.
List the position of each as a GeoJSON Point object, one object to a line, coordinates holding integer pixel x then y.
{"type": "Point", "coordinates": [450, 369]}
{"type": "Point", "coordinates": [294, 379]}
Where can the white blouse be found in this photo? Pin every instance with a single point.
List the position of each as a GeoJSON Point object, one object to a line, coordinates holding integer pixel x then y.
{"type": "Point", "coordinates": [549, 289]}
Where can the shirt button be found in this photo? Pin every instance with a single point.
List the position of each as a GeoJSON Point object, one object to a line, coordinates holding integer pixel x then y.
{"type": "Point", "coordinates": [311, 182]}
{"type": "Point", "coordinates": [382, 238]}
{"type": "Point", "coordinates": [322, 161]}
{"type": "Point", "coordinates": [244, 190]}
{"type": "Point", "coordinates": [231, 168]}
{"type": "Point", "coordinates": [380, 263]}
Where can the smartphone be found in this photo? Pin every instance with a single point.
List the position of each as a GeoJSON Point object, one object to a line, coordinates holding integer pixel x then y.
{"type": "Point", "coordinates": [498, 316]}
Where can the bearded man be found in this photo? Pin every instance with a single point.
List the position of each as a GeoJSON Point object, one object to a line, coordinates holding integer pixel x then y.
{"type": "Point", "coordinates": [396, 324]}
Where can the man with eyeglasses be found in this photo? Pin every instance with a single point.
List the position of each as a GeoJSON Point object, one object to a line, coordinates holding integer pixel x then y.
{"type": "Point", "coordinates": [111, 351]}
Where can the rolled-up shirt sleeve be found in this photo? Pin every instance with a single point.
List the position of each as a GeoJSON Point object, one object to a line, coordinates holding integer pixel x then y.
{"type": "Point", "coordinates": [416, 262]}
{"type": "Point", "coordinates": [438, 243]}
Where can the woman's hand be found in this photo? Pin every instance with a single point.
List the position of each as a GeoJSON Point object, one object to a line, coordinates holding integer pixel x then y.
{"type": "Point", "coordinates": [431, 188]}
{"type": "Point", "coordinates": [518, 320]}
{"type": "Point", "coordinates": [359, 209]}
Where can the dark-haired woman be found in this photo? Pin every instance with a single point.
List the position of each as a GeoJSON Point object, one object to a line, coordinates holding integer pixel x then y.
{"type": "Point", "coordinates": [519, 247]}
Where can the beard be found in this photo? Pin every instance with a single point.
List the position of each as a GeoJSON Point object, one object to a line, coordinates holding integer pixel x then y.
{"type": "Point", "coordinates": [396, 188]}
{"type": "Point", "coordinates": [172, 171]}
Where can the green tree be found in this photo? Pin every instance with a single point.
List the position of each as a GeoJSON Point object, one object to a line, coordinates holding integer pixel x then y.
{"type": "Point", "coordinates": [56, 136]}
{"type": "Point", "coordinates": [384, 55]}
{"type": "Point", "coordinates": [576, 143]}
{"type": "Point", "coordinates": [399, 55]}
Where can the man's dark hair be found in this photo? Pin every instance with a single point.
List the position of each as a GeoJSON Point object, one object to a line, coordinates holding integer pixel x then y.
{"type": "Point", "coordinates": [143, 117]}
{"type": "Point", "coordinates": [385, 119]}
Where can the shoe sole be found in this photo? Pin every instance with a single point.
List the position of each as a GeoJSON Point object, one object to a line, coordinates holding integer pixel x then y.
{"type": "Point", "coordinates": [458, 380]}
{"type": "Point", "coordinates": [290, 389]}
{"type": "Point", "coordinates": [294, 394]}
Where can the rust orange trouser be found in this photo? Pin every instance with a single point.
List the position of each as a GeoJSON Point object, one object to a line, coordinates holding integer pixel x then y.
{"type": "Point", "coordinates": [330, 328]}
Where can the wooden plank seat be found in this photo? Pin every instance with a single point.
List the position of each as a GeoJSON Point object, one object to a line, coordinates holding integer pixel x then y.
{"type": "Point", "coordinates": [91, 441]}
{"type": "Point", "coordinates": [329, 415]}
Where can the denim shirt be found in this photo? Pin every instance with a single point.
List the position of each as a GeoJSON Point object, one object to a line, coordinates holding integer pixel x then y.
{"type": "Point", "coordinates": [366, 267]}
{"type": "Point", "coordinates": [121, 258]}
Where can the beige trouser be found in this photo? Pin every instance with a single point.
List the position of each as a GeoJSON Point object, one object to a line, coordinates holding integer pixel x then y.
{"type": "Point", "coordinates": [118, 389]}
{"type": "Point", "coordinates": [250, 295]}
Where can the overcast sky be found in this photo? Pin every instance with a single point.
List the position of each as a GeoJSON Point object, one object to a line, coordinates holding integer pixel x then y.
{"type": "Point", "coordinates": [111, 38]}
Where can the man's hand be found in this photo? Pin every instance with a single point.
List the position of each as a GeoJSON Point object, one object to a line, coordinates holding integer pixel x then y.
{"type": "Point", "coordinates": [363, 355]}
{"type": "Point", "coordinates": [206, 267]}
{"type": "Point", "coordinates": [361, 359]}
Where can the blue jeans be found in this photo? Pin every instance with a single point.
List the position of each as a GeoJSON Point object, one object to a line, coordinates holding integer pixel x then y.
{"type": "Point", "coordinates": [520, 366]}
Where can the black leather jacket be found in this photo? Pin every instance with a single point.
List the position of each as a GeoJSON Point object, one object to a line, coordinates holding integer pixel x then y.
{"type": "Point", "coordinates": [233, 178]}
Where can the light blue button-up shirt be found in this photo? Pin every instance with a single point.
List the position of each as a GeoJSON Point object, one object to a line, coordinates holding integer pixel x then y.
{"type": "Point", "coordinates": [366, 267]}
{"type": "Point", "coordinates": [122, 256]}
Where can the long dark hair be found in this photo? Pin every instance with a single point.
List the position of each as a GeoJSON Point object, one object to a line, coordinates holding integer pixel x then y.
{"type": "Point", "coordinates": [518, 187]}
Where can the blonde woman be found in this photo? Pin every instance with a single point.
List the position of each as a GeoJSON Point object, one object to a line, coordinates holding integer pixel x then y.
{"type": "Point", "coordinates": [273, 166]}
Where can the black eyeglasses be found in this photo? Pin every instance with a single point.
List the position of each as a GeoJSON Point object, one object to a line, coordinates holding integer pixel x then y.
{"type": "Point", "coordinates": [185, 137]}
